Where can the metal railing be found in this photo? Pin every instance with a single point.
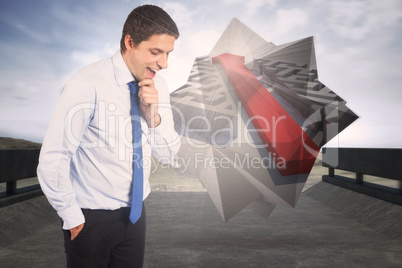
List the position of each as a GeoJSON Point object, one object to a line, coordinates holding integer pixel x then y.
{"type": "Point", "coordinates": [18, 164]}
{"type": "Point", "coordinates": [380, 162]}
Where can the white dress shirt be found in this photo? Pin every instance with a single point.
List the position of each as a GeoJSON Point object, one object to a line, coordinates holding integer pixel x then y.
{"type": "Point", "coordinates": [86, 156]}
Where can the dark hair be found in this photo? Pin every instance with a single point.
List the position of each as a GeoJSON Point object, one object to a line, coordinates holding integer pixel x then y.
{"type": "Point", "coordinates": [145, 21]}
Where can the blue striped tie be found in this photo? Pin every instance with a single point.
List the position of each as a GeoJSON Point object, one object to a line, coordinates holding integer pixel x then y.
{"type": "Point", "coordinates": [137, 194]}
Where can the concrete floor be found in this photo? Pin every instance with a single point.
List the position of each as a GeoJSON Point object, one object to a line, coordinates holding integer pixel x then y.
{"type": "Point", "coordinates": [185, 230]}
{"type": "Point", "coordinates": [330, 227]}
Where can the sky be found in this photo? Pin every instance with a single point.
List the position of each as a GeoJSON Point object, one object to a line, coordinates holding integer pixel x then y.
{"type": "Point", "coordinates": [358, 46]}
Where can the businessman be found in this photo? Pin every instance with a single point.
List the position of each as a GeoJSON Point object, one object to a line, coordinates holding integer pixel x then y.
{"type": "Point", "coordinates": [111, 117]}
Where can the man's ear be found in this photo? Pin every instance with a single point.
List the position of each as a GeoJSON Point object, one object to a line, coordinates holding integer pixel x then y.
{"type": "Point", "coordinates": [129, 42]}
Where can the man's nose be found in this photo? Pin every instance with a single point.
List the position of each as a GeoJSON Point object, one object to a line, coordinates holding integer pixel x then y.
{"type": "Point", "coordinates": [163, 62]}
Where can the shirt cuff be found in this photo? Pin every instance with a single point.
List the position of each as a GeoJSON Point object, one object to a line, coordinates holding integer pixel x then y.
{"type": "Point", "coordinates": [72, 217]}
{"type": "Point", "coordinates": [161, 128]}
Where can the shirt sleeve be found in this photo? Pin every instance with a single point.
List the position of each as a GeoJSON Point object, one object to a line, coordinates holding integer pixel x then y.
{"type": "Point", "coordinates": [71, 117]}
{"type": "Point", "coordinates": [164, 140]}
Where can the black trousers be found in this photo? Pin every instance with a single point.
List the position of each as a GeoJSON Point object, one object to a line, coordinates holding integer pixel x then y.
{"type": "Point", "coordinates": [108, 239]}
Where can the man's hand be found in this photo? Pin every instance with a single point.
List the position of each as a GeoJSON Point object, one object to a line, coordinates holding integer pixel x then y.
{"type": "Point", "coordinates": [75, 231]}
{"type": "Point", "coordinates": [149, 100]}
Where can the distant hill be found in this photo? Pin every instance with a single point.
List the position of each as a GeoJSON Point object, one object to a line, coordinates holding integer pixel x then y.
{"type": "Point", "coordinates": [11, 143]}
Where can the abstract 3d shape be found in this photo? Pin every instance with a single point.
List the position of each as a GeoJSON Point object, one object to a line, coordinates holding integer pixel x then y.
{"type": "Point", "coordinates": [253, 117]}
{"type": "Point", "coordinates": [260, 104]}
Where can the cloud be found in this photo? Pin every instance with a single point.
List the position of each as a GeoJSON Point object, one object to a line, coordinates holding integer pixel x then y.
{"type": "Point", "coordinates": [253, 6]}
{"type": "Point", "coordinates": [37, 36]}
{"type": "Point", "coordinates": [182, 15]}
{"type": "Point", "coordinates": [84, 57]}
{"type": "Point", "coordinates": [202, 42]}
{"type": "Point", "coordinates": [357, 47]}
{"type": "Point", "coordinates": [287, 21]}
{"type": "Point", "coordinates": [356, 20]}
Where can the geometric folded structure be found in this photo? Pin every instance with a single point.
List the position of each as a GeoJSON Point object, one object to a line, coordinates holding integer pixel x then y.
{"type": "Point", "coordinates": [252, 119]}
{"type": "Point", "coordinates": [285, 139]}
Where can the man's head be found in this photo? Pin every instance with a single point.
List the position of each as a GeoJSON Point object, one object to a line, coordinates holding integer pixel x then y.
{"type": "Point", "coordinates": [147, 39]}
{"type": "Point", "coordinates": [145, 21]}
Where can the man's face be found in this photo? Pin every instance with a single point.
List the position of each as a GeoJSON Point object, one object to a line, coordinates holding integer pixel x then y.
{"type": "Point", "coordinates": [149, 56]}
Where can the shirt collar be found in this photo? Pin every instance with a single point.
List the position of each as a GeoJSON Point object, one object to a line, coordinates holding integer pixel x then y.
{"type": "Point", "coordinates": [121, 72]}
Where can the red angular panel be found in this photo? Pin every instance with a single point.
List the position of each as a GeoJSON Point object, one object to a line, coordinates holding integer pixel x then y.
{"type": "Point", "coordinates": [291, 148]}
